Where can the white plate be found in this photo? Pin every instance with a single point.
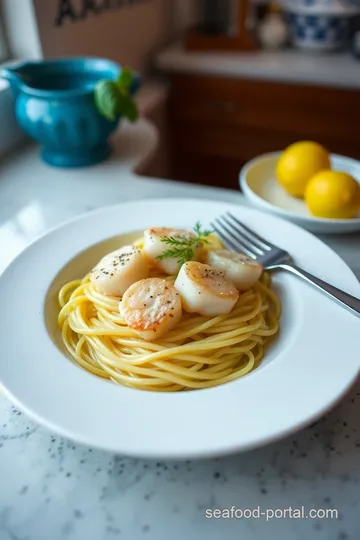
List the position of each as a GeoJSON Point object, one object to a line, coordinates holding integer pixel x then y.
{"type": "Point", "coordinates": [306, 370]}
{"type": "Point", "coordinates": [260, 186]}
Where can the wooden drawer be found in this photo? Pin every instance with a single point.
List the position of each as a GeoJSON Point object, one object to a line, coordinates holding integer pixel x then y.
{"type": "Point", "coordinates": [300, 110]}
{"type": "Point", "coordinates": [237, 142]}
{"type": "Point", "coordinates": [217, 124]}
{"type": "Point", "coordinates": [209, 170]}
{"type": "Point", "coordinates": [246, 143]}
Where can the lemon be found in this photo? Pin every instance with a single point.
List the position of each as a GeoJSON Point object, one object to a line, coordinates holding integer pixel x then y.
{"type": "Point", "coordinates": [333, 194]}
{"type": "Point", "coordinates": [298, 163]}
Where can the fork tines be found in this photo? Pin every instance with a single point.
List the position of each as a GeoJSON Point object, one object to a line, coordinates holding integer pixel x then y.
{"type": "Point", "coordinates": [239, 237]}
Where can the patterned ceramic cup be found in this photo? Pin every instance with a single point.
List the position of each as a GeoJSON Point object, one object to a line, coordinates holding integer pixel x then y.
{"type": "Point", "coordinates": [327, 7]}
{"type": "Point", "coordinates": [321, 25]}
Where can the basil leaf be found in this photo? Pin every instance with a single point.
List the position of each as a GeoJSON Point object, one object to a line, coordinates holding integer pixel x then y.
{"type": "Point", "coordinates": [107, 99]}
{"type": "Point", "coordinates": [126, 79]}
{"type": "Point", "coordinates": [113, 98]}
{"type": "Point", "coordinates": [127, 107]}
{"type": "Point", "coordinates": [130, 109]}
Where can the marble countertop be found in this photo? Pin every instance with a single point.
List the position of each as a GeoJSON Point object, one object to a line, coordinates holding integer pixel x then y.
{"type": "Point", "coordinates": [54, 489]}
{"type": "Point", "coordinates": [336, 70]}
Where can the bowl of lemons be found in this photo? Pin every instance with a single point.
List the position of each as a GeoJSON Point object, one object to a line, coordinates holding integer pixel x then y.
{"type": "Point", "coordinates": [306, 185]}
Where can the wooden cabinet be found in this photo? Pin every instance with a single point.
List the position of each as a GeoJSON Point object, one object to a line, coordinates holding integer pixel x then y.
{"type": "Point", "coordinates": [217, 124]}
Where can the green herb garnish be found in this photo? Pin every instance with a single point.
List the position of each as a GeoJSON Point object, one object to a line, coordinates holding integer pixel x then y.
{"type": "Point", "coordinates": [184, 246]}
{"type": "Point", "coordinates": [113, 98]}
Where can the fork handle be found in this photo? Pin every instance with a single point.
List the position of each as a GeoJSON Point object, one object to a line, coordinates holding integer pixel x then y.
{"type": "Point", "coordinates": [341, 297]}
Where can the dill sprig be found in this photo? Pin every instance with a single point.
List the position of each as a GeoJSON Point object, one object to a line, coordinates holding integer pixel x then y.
{"type": "Point", "coordinates": [183, 247]}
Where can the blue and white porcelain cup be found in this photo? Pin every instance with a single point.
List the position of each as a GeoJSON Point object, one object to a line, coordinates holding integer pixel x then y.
{"type": "Point", "coordinates": [321, 25]}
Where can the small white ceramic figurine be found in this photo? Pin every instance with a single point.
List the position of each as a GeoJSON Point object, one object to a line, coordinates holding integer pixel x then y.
{"type": "Point", "coordinates": [273, 31]}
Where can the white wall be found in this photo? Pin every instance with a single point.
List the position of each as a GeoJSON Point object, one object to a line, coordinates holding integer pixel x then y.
{"type": "Point", "coordinates": [128, 35]}
{"type": "Point", "coordinates": [184, 14]}
{"type": "Point", "coordinates": [21, 30]}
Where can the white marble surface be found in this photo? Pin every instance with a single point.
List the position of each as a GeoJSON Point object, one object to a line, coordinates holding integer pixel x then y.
{"type": "Point", "coordinates": [52, 489]}
{"type": "Point", "coordinates": [292, 66]}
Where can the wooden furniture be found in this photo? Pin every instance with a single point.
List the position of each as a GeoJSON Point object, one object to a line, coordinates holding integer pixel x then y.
{"type": "Point", "coordinates": [241, 41]}
{"type": "Point", "coordinates": [216, 124]}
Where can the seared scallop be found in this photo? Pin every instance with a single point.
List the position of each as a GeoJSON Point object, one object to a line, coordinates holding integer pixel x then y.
{"type": "Point", "coordinates": [241, 269]}
{"type": "Point", "coordinates": [151, 307]}
{"type": "Point", "coordinates": [205, 290]}
{"type": "Point", "coordinates": [114, 274]}
{"type": "Point", "coordinates": [154, 246]}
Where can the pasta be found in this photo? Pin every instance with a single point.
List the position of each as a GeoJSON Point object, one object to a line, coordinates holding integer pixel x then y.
{"type": "Point", "coordinates": [200, 352]}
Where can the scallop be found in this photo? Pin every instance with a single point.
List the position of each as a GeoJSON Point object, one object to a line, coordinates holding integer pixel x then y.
{"type": "Point", "coordinates": [239, 268]}
{"type": "Point", "coordinates": [114, 274]}
{"type": "Point", "coordinates": [205, 290]}
{"type": "Point", "coordinates": [155, 247]}
{"type": "Point", "coordinates": [151, 307]}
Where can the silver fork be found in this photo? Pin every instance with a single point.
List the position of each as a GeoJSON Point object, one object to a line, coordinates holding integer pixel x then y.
{"type": "Point", "coordinates": [239, 237]}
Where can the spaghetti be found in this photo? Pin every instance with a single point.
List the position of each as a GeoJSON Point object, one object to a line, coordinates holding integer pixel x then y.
{"type": "Point", "coordinates": [201, 352]}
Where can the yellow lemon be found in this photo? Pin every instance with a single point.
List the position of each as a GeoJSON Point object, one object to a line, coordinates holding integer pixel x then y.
{"type": "Point", "coordinates": [333, 194]}
{"type": "Point", "coordinates": [298, 163]}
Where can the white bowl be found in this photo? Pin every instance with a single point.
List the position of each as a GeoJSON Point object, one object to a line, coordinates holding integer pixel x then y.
{"type": "Point", "coordinates": [260, 186]}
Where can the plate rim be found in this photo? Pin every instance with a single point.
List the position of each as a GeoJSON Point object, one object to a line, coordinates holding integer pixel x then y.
{"type": "Point", "coordinates": [200, 453]}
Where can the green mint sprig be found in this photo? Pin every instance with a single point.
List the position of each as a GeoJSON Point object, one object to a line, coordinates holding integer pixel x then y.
{"type": "Point", "coordinates": [113, 98]}
{"type": "Point", "coordinates": [183, 247]}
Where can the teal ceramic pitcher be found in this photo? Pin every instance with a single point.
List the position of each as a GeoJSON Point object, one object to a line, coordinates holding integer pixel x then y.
{"type": "Point", "coordinates": [55, 105]}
